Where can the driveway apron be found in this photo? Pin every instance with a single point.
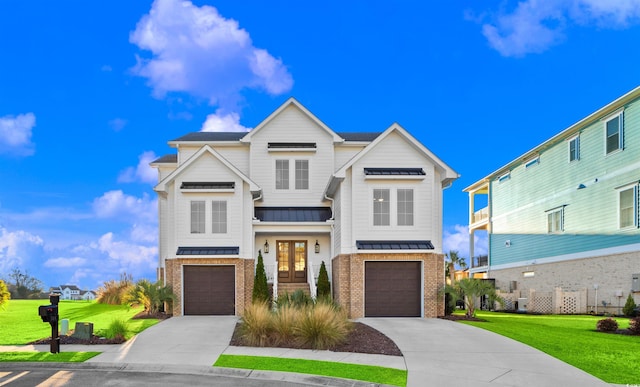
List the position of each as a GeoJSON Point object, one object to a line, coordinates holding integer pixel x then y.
{"type": "Point", "coordinates": [189, 340]}
{"type": "Point", "coordinates": [445, 353]}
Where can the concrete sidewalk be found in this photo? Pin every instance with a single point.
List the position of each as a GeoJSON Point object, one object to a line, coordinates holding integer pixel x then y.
{"type": "Point", "coordinates": [436, 352]}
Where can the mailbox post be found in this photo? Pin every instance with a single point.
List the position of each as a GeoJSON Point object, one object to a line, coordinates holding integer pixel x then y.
{"type": "Point", "coordinates": [49, 313]}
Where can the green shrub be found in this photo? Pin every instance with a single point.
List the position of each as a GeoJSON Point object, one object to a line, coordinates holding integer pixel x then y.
{"type": "Point", "coordinates": [634, 325]}
{"type": "Point", "coordinates": [151, 296]}
{"type": "Point", "coordinates": [324, 287]}
{"type": "Point", "coordinates": [449, 304]}
{"type": "Point", "coordinates": [256, 328]}
{"type": "Point", "coordinates": [4, 293]}
{"type": "Point", "coordinates": [117, 329]}
{"type": "Point", "coordinates": [322, 326]}
{"type": "Point", "coordinates": [607, 325]}
{"type": "Point", "coordinates": [285, 319]}
{"type": "Point", "coordinates": [629, 307]}
{"type": "Point", "coordinates": [297, 299]}
{"type": "Point", "coordinates": [260, 288]}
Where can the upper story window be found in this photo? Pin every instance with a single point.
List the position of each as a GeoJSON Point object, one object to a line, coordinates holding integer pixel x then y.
{"type": "Point", "coordinates": [628, 206]}
{"type": "Point", "coordinates": [282, 174]}
{"type": "Point", "coordinates": [197, 216]}
{"type": "Point", "coordinates": [574, 148]}
{"type": "Point", "coordinates": [614, 134]}
{"type": "Point", "coordinates": [381, 207]}
{"type": "Point", "coordinates": [405, 207]}
{"type": "Point", "coordinates": [555, 220]}
{"type": "Point", "coordinates": [219, 217]}
{"type": "Point", "coordinates": [302, 174]}
{"type": "Point", "coordinates": [299, 174]}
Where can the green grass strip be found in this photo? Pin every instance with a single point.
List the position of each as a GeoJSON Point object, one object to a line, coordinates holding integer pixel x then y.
{"type": "Point", "coordinates": [367, 373]}
{"type": "Point", "coordinates": [63, 357]}
{"type": "Point", "coordinates": [574, 340]}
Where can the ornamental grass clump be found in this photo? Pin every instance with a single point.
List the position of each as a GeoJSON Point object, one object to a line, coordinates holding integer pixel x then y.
{"type": "Point", "coordinates": [117, 329]}
{"type": "Point", "coordinates": [256, 325]}
{"type": "Point", "coordinates": [607, 325]}
{"type": "Point", "coordinates": [285, 319]}
{"type": "Point", "coordinates": [322, 326]}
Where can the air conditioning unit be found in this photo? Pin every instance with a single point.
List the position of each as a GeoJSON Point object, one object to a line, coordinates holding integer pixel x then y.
{"type": "Point", "coordinates": [635, 282]}
{"type": "Point", "coordinates": [522, 304]}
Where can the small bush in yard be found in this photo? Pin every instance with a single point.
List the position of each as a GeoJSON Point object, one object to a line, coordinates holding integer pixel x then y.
{"type": "Point", "coordinates": [322, 326]}
{"type": "Point", "coordinates": [634, 325]}
{"type": "Point", "coordinates": [607, 325]}
{"type": "Point", "coordinates": [116, 330]}
{"type": "Point", "coordinates": [629, 307]}
{"type": "Point", "coordinates": [260, 287]}
{"type": "Point", "coordinates": [324, 287]}
{"type": "Point", "coordinates": [256, 324]}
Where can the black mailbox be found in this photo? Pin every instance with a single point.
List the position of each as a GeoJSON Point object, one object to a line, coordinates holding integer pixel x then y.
{"type": "Point", "coordinates": [48, 313]}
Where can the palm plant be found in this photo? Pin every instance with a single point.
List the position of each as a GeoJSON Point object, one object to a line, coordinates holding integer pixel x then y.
{"type": "Point", "coordinates": [453, 259]}
{"type": "Point", "coordinates": [470, 289]}
{"type": "Point", "coordinates": [151, 296]}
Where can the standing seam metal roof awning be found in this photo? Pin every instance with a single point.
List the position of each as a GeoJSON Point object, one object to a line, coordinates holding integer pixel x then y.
{"type": "Point", "coordinates": [209, 250]}
{"type": "Point", "coordinates": [394, 171]}
{"type": "Point", "coordinates": [394, 245]}
{"type": "Point", "coordinates": [293, 214]}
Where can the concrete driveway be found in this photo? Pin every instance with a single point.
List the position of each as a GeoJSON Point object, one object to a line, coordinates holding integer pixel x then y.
{"type": "Point", "coordinates": [445, 353]}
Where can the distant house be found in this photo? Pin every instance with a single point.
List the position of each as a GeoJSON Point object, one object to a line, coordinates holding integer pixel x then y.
{"type": "Point", "coordinates": [72, 292]}
{"type": "Point", "coordinates": [565, 216]}
{"type": "Point", "coordinates": [367, 204]}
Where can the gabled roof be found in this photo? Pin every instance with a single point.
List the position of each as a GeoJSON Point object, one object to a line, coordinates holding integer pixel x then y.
{"type": "Point", "coordinates": [253, 187]}
{"type": "Point", "coordinates": [291, 102]}
{"type": "Point", "coordinates": [448, 174]}
{"type": "Point", "coordinates": [166, 159]}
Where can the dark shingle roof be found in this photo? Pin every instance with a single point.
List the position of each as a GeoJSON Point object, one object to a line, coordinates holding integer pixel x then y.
{"type": "Point", "coordinates": [394, 245]}
{"type": "Point", "coordinates": [167, 159]}
{"type": "Point", "coordinates": [394, 171]}
{"type": "Point", "coordinates": [359, 136]}
{"type": "Point", "coordinates": [236, 136]}
{"type": "Point", "coordinates": [212, 136]}
{"type": "Point", "coordinates": [293, 214]}
{"type": "Point", "coordinates": [209, 250]}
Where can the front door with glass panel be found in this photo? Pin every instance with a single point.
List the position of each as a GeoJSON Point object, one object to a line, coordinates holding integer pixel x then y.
{"type": "Point", "coordinates": [292, 261]}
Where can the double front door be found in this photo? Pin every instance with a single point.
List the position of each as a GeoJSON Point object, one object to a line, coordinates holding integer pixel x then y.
{"type": "Point", "coordinates": [292, 261]}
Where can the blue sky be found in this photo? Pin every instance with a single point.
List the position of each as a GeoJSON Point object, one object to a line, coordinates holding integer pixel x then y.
{"type": "Point", "coordinates": [90, 92]}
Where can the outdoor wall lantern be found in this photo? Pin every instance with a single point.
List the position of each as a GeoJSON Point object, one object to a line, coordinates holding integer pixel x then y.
{"type": "Point", "coordinates": [317, 247]}
{"type": "Point", "coordinates": [266, 247]}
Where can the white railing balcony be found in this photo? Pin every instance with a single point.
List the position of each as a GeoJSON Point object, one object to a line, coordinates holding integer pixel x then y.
{"type": "Point", "coordinates": [480, 216]}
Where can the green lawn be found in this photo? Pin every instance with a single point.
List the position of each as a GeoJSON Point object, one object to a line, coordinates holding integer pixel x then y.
{"type": "Point", "coordinates": [574, 340]}
{"type": "Point", "coordinates": [21, 324]}
{"type": "Point", "coordinates": [70, 357]}
{"type": "Point", "coordinates": [382, 375]}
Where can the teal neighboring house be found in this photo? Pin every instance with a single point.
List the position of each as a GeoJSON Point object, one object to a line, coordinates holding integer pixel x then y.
{"type": "Point", "coordinates": [564, 216]}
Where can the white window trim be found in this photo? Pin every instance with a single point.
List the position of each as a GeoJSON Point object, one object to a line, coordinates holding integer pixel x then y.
{"type": "Point", "coordinates": [226, 220]}
{"type": "Point", "coordinates": [620, 115]}
{"type": "Point", "coordinates": [204, 214]}
{"type": "Point", "coordinates": [292, 175]}
{"type": "Point", "coordinates": [559, 209]}
{"type": "Point", "coordinates": [393, 208]}
{"type": "Point", "coordinates": [569, 140]}
{"type": "Point", "coordinates": [636, 204]}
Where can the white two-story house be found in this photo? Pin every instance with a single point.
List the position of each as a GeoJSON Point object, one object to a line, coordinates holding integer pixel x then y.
{"type": "Point", "coordinates": [368, 205]}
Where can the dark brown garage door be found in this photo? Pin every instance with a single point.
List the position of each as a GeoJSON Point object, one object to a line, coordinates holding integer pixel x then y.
{"type": "Point", "coordinates": [209, 290]}
{"type": "Point", "coordinates": [392, 289]}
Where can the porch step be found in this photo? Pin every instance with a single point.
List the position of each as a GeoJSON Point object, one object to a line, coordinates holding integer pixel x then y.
{"type": "Point", "coordinates": [291, 288]}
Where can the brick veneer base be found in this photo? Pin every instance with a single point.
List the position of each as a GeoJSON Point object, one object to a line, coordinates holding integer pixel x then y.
{"type": "Point", "coordinates": [348, 280]}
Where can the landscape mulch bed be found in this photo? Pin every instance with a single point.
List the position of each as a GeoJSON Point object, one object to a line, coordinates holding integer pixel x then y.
{"type": "Point", "coordinates": [458, 317]}
{"type": "Point", "coordinates": [361, 339]}
{"type": "Point", "coordinates": [97, 339]}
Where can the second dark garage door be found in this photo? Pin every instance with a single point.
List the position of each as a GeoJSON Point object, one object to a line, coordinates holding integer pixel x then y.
{"type": "Point", "coordinates": [209, 290]}
{"type": "Point", "coordinates": [392, 289]}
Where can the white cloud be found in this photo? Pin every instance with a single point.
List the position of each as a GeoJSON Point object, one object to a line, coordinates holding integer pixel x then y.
{"type": "Point", "coordinates": [142, 172]}
{"type": "Point", "coordinates": [198, 51]}
{"type": "Point", "coordinates": [220, 122]}
{"type": "Point", "coordinates": [457, 238]}
{"type": "Point", "coordinates": [128, 255]}
{"type": "Point", "coordinates": [117, 124]}
{"type": "Point", "coordinates": [15, 134]}
{"type": "Point", "coordinates": [62, 262]}
{"type": "Point", "coordinates": [534, 26]}
{"type": "Point", "coordinates": [18, 249]}
{"type": "Point", "coordinates": [118, 205]}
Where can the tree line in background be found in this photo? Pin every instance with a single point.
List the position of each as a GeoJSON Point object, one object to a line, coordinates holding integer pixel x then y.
{"type": "Point", "coordinates": [21, 285]}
